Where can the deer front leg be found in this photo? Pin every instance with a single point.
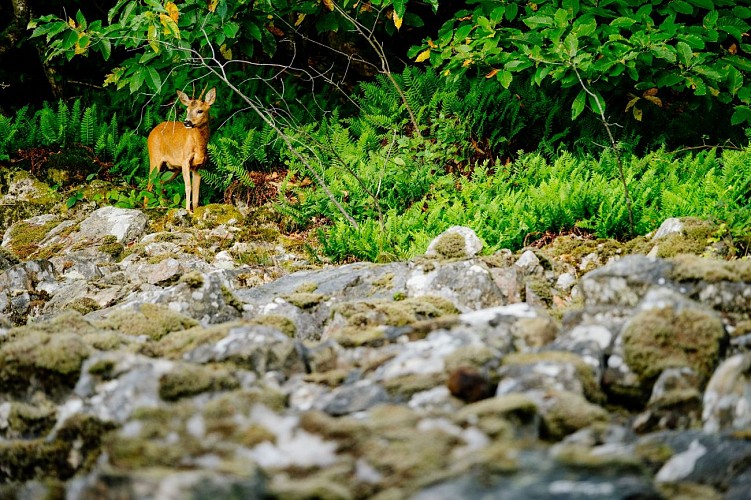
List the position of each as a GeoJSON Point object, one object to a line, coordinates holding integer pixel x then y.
{"type": "Point", "coordinates": [196, 188]}
{"type": "Point", "coordinates": [186, 180]}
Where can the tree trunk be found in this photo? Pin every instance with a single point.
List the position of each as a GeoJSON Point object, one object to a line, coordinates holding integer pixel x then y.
{"type": "Point", "coordinates": [15, 32]}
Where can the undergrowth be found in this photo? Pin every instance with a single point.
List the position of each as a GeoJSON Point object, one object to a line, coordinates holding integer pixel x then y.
{"type": "Point", "coordinates": [507, 163]}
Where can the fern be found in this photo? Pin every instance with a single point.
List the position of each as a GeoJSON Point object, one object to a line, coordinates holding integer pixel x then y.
{"type": "Point", "coordinates": [87, 127]}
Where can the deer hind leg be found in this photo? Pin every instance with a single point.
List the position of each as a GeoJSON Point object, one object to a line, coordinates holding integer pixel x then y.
{"type": "Point", "coordinates": [196, 188]}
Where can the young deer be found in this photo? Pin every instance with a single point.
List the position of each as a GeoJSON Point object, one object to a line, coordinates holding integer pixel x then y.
{"type": "Point", "coordinates": [183, 145]}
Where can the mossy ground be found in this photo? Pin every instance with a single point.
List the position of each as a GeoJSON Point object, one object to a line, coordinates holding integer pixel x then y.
{"type": "Point", "coordinates": [664, 338]}
{"type": "Point", "coordinates": [584, 372]}
{"type": "Point", "coordinates": [151, 320]}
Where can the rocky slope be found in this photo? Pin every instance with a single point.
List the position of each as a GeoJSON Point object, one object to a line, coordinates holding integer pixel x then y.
{"type": "Point", "coordinates": [187, 357]}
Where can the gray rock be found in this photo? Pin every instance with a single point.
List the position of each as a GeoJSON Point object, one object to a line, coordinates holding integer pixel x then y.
{"type": "Point", "coordinates": [444, 245]}
{"type": "Point", "coordinates": [727, 398]}
{"type": "Point", "coordinates": [124, 224]}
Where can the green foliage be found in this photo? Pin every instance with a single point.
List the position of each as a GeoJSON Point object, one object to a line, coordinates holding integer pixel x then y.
{"type": "Point", "coordinates": [506, 205]}
{"type": "Point", "coordinates": [232, 160]}
{"type": "Point", "coordinates": [656, 55]}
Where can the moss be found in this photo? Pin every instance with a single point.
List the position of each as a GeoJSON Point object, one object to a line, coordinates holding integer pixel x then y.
{"type": "Point", "coordinates": [254, 435]}
{"type": "Point", "coordinates": [405, 386]}
{"type": "Point", "coordinates": [215, 214]}
{"type": "Point", "coordinates": [26, 421]}
{"type": "Point", "coordinates": [75, 448]}
{"type": "Point", "coordinates": [53, 361]}
{"type": "Point", "coordinates": [385, 281]}
{"type": "Point", "coordinates": [384, 312]}
{"type": "Point", "coordinates": [230, 404]}
{"type": "Point", "coordinates": [477, 356]}
{"type": "Point", "coordinates": [193, 279]}
{"type": "Point", "coordinates": [305, 300]}
{"type": "Point", "coordinates": [231, 300]}
{"type": "Point", "coordinates": [28, 459]}
{"type": "Point", "coordinates": [541, 288]}
{"type": "Point", "coordinates": [691, 267]}
{"type": "Point", "coordinates": [281, 323]}
{"type": "Point", "coordinates": [693, 239]}
{"type": "Point", "coordinates": [583, 457]}
{"type": "Point", "coordinates": [688, 491]}
{"type": "Point", "coordinates": [320, 486]}
{"type": "Point", "coordinates": [584, 372]}
{"type": "Point", "coordinates": [451, 246]}
{"type": "Point", "coordinates": [331, 378]}
{"type": "Point", "coordinates": [7, 259]}
{"type": "Point", "coordinates": [176, 343]}
{"type": "Point", "coordinates": [653, 453]}
{"type": "Point", "coordinates": [306, 287]}
{"type": "Point", "coordinates": [111, 246]}
{"type": "Point", "coordinates": [569, 413]}
{"type": "Point", "coordinates": [664, 338]}
{"type": "Point", "coordinates": [102, 368]}
{"type": "Point", "coordinates": [188, 380]}
{"type": "Point", "coordinates": [83, 305]}
{"type": "Point", "coordinates": [152, 320]}
{"type": "Point", "coordinates": [517, 409]}
{"type": "Point", "coordinates": [24, 236]}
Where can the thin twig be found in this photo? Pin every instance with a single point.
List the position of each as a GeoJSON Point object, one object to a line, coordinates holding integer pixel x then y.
{"type": "Point", "coordinates": [613, 144]}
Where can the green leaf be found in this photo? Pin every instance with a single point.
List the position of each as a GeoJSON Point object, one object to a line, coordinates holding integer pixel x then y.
{"type": "Point", "coordinates": [137, 79]}
{"type": "Point", "coordinates": [622, 22]}
{"type": "Point", "coordinates": [105, 47]}
{"type": "Point", "coordinates": [664, 52]}
{"type": "Point", "coordinates": [400, 7]}
{"type": "Point", "coordinates": [537, 21]}
{"type": "Point", "coordinates": [742, 114]}
{"type": "Point", "coordinates": [505, 77]}
{"type": "Point", "coordinates": [571, 44]}
{"type": "Point", "coordinates": [254, 30]}
{"type": "Point", "coordinates": [81, 20]}
{"type": "Point", "coordinates": [462, 32]}
{"type": "Point", "coordinates": [153, 79]}
{"type": "Point", "coordinates": [597, 103]}
{"type": "Point", "coordinates": [741, 12]}
{"type": "Point", "coordinates": [693, 41]}
{"type": "Point", "coordinates": [512, 10]}
{"type": "Point", "coordinates": [710, 20]}
{"type": "Point", "coordinates": [735, 80]}
{"type": "Point", "coordinates": [732, 26]}
{"type": "Point", "coordinates": [585, 26]}
{"type": "Point", "coordinates": [704, 4]}
{"type": "Point", "coordinates": [684, 53]}
{"type": "Point", "coordinates": [578, 105]}
{"type": "Point", "coordinates": [681, 7]}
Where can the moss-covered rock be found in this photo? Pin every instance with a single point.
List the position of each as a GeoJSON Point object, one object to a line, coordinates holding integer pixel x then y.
{"type": "Point", "coordinates": [584, 372]}
{"type": "Point", "coordinates": [24, 238]}
{"type": "Point", "coordinates": [187, 379]}
{"type": "Point", "coordinates": [174, 344]}
{"type": "Point", "coordinates": [49, 354]}
{"type": "Point", "coordinates": [216, 214]}
{"type": "Point", "coordinates": [692, 267]}
{"type": "Point", "coordinates": [75, 448]}
{"type": "Point", "coordinates": [151, 320]}
{"type": "Point", "coordinates": [450, 246]}
{"type": "Point", "coordinates": [29, 420]}
{"type": "Point", "coordinates": [665, 338]}
{"type": "Point", "coordinates": [568, 413]}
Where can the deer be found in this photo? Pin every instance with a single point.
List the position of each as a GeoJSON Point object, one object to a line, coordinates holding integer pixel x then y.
{"type": "Point", "coordinates": [182, 146]}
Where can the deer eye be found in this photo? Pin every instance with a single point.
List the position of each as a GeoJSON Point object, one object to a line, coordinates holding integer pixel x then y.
{"type": "Point", "coordinates": [199, 111]}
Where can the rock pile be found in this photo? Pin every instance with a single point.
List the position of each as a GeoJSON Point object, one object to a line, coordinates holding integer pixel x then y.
{"type": "Point", "coordinates": [190, 360]}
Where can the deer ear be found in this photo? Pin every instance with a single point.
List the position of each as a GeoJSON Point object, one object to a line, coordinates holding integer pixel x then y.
{"type": "Point", "coordinates": [211, 96]}
{"type": "Point", "coordinates": [183, 97]}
